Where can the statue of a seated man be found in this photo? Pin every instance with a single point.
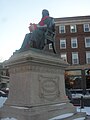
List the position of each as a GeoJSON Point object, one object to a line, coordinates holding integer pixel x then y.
{"type": "Point", "coordinates": [36, 37]}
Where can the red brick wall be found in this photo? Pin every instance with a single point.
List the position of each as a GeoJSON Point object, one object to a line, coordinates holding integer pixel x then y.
{"type": "Point", "coordinates": [80, 34]}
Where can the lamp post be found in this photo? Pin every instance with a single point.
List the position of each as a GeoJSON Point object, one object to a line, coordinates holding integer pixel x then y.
{"type": "Point", "coordinates": [83, 81]}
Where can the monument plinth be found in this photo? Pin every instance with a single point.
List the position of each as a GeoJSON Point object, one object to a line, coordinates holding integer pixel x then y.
{"type": "Point", "coordinates": [37, 87]}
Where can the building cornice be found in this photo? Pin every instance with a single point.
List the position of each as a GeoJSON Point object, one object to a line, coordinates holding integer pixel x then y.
{"type": "Point", "coordinates": [78, 67]}
{"type": "Point", "coordinates": [72, 20]}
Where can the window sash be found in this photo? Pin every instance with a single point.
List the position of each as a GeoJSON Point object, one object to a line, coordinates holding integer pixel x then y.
{"type": "Point", "coordinates": [62, 43]}
{"type": "Point", "coordinates": [74, 42]}
{"type": "Point", "coordinates": [73, 29]}
{"type": "Point", "coordinates": [86, 27]}
{"type": "Point", "coordinates": [87, 42]}
{"type": "Point", "coordinates": [62, 29]}
{"type": "Point", "coordinates": [64, 56]}
{"type": "Point", "coordinates": [87, 57]}
{"type": "Point", "coordinates": [75, 59]}
{"type": "Point", "coordinates": [50, 46]}
{"type": "Point", "coordinates": [88, 60]}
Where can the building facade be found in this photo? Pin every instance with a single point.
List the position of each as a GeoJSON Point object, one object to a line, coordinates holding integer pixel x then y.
{"type": "Point", "coordinates": [73, 45]}
{"type": "Point", "coordinates": [4, 77]}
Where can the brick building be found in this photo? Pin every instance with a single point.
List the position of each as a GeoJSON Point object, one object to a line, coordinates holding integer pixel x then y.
{"type": "Point", "coordinates": [4, 77]}
{"type": "Point", "coordinates": [73, 44]}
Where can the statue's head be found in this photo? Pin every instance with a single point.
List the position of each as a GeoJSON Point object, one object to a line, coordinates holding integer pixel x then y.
{"type": "Point", "coordinates": [45, 13]}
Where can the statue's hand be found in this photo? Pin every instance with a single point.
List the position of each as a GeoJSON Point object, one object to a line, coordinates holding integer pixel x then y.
{"type": "Point", "coordinates": [32, 27]}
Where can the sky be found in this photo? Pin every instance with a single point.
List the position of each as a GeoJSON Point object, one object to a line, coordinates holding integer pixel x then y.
{"type": "Point", "coordinates": [16, 15]}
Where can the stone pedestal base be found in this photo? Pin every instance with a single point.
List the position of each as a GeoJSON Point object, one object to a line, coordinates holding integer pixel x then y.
{"type": "Point", "coordinates": [37, 87]}
{"type": "Point", "coordinates": [48, 112]}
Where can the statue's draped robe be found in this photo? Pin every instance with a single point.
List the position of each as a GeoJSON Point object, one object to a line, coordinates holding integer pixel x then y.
{"type": "Point", "coordinates": [37, 36]}
{"type": "Point", "coordinates": [26, 41]}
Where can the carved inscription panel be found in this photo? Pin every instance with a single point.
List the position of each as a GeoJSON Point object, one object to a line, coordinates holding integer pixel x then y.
{"type": "Point", "coordinates": [49, 87]}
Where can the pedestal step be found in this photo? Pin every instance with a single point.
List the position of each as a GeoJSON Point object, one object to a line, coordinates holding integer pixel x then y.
{"type": "Point", "coordinates": [71, 116]}
{"type": "Point", "coordinates": [41, 113]}
{"type": "Point", "coordinates": [88, 117]}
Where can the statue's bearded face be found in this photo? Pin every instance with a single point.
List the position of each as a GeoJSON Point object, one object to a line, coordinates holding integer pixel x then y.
{"type": "Point", "coordinates": [45, 13]}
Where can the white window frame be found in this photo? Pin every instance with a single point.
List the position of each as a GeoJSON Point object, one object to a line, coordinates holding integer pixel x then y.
{"type": "Point", "coordinates": [63, 41]}
{"type": "Point", "coordinates": [62, 29]}
{"type": "Point", "coordinates": [86, 43]}
{"type": "Point", "coordinates": [73, 29]}
{"type": "Point", "coordinates": [75, 58]}
{"type": "Point", "coordinates": [63, 56]}
{"type": "Point", "coordinates": [86, 27]}
{"type": "Point", "coordinates": [74, 41]}
{"type": "Point", "coordinates": [88, 57]}
{"type": "Point", "coordinates": [50, 46]}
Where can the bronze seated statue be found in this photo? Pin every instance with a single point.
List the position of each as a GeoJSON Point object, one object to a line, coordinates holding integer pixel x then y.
{"type": "Point", "coordinates": [40, 34]}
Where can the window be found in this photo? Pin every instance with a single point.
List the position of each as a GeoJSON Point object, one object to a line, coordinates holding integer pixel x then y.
{"type": "Point", "coordinates": [87, 42]}
{"type": "Point", "coordinates": [62, 29]}
{"type": "Point", "coordinates": [50, 46]}
{"type": "Point", "coordinates": [64, 56]}
{"type": "Point", "coordinates": [75, 59]}
{"type": "Point", "coordinates": [74, 42]}
{"type": "Point", "coordinates": [86, 27]}
{"type": "Point", "coordinates": [62, 43]}
{"type": "Point", "coordinates": [88, 57]}
{"type": "Point", "coordinates": [73, 28]}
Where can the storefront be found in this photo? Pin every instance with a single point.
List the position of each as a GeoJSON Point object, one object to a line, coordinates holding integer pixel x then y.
{"type": "Point", "coordinates": [73, 79]}
{"type": "Point", "coordinates": [77, 77]}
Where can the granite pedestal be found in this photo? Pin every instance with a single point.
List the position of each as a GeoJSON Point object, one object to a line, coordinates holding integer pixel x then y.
{"type": "Point", "coordinates": [37, 87]}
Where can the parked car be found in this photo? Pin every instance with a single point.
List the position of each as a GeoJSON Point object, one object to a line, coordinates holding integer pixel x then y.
{"type": "Point", "coordinates": [4, 92]}
{"type": "Point", "coordinates": [68, 93]}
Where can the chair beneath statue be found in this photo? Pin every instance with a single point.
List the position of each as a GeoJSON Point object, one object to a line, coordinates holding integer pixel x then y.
{"type": "Point", "coordinates": [50, 35]}
{"type": "Point", "coordinates": [50, 38]}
